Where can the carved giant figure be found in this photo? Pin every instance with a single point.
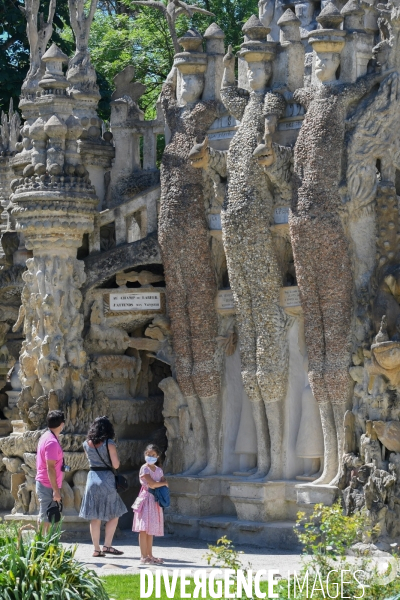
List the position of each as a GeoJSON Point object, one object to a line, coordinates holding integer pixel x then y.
{"type": "Point", "coordinates": [254, 270]}
{"type": "Point", "coordinates": [183, 237]}
{"type": "Point", "coordinates": [320, 247]}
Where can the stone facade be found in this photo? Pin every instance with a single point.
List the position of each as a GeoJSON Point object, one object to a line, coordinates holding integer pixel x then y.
{"type": "Point", "coordinates": [240, 307]}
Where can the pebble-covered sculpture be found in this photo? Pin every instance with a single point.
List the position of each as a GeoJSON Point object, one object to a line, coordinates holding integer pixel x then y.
{"type": "Point", "coordinates": [325, 278]}
{"type": "Point", "coordinates": [254, 270]}
{"type": "Point", "coordinates": [183, 237]}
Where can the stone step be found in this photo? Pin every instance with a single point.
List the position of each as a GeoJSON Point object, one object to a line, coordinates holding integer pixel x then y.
{"type": "Point", "coordinates": [73, 526]}
{"type": "Point", "coordinates": [275, 534]}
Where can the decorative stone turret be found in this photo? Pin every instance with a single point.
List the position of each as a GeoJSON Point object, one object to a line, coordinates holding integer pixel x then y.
{"type": "Point", "coordinates": [215, 49]}
{"type": "Point", "coordinates": [289, 63]}
{"type": "Point", "coordinates": [54, 205]}
{"type": "Point", "coordinates": [359, 42]}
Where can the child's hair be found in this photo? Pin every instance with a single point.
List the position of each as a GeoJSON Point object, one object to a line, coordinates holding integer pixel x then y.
{"type": "Point", "coordinates": [156, 449]}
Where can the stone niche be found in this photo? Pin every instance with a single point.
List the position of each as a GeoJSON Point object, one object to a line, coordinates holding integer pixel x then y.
{"type": "Point", "coordinates": [123, 341]}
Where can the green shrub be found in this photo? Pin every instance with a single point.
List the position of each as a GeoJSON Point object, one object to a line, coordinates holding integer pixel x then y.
{"type": "Point", "coordinates": [41, 569]}
{"type": "Point", "coordinates": [224, 555]}
{"type": "Point", "coordinates": [327, 535]}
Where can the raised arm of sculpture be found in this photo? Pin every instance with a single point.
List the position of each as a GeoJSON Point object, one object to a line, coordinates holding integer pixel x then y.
{"type": "Point", "coordinates": [81, 22]}
{"type": "Point", "coordinates": [266, 10]}
{"type": "Point", "coordinates": [304, 96]}
{"type": "Point", "coordinates": [234, 98]}
{"type": "Point", "coordinates": [38, 33]}
{"type": "Point", "coordinates": [171, 12]}
{"type": "Point", "coordinates": [169, 102]}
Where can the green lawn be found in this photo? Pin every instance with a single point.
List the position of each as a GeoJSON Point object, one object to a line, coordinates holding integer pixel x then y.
{"type": "Point", "coordinates": [122, 587]}
{"type": "Point", "coordinates": [127, 587]}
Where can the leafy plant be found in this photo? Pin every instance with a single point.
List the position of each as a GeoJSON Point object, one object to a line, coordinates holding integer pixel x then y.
{"type": "Point", "coordinates": [224, 555]}
{"type": "Point", "coordinates": [41, 568]}
{"type": "Point", "coordinates": [328, 532]}
{"type": "Point", "coordinates": [327, 535]}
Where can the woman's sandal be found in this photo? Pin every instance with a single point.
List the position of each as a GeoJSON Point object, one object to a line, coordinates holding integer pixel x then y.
{"type": "Point", "coordinates": [145, 561]}
{"type": "Point", "coordinates": [98, 554]}
{"type": "Point", "coordinates": [156, 561]}
{"type": "Point", "coordinates": [111, 550]}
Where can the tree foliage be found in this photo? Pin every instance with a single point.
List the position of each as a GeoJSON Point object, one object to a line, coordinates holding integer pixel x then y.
{"type": "Point", "coordinates": [14, 47]}
{"type": "Point", "coordinates": [121, 34]}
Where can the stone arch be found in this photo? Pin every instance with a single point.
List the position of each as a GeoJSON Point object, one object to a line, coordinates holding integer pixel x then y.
{"type": "Point", "coordinates": [101, 267]}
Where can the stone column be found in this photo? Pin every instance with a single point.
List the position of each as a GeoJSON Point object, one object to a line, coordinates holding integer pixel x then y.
{"type": "Point", "coordinates": [54, 206]}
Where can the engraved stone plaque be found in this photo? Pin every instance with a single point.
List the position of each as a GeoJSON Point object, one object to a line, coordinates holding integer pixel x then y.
{"type": "Point", "coordinates": [290, 296]}
{"type": "Point", "coordinates": [223, 128]}
{"type": "Point", "coordinates": [135, 301]}
{"type": "Point", "coordinates": [113, 389]}
{"type": "Point", "coordinates": [284, 125]}
{"type": "Point", "coordinates": [214, 222]}
{"type": "Point", "coordinates": [281, 215]}
{"type": "Point", "coordinates": [225, 301]}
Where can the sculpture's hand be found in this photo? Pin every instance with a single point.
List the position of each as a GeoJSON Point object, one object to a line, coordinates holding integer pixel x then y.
{"type": "Point", "coordinates": [229, 72]}
{"type": "Point", "coordinates": [229, 59]}
{"type": "Point", "coordinates": [172, 77]}
{"type": "Point", "coordinates": [266, 9]}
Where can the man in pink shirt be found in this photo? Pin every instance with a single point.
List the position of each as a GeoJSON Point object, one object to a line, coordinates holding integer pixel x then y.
{"type": "Point", "coordinates": [49, 465]}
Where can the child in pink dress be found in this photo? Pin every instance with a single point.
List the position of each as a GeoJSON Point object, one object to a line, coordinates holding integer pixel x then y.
{"type": "Point", "coordinates": [148, 518]}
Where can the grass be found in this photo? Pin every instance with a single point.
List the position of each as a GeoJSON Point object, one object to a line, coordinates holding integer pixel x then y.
{"type": "Point", "coordinates": [122, 587]}
{"type": "Point", "coordinates": [127, 587]}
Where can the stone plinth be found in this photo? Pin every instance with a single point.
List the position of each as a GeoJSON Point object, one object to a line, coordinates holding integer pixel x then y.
{"type": "Point", "coordinates": [309, 494]}
{"type": "Point", "coordinates": [231, 495]}
{"type": "Point", "coordinates": [200, 497]}
{"type": "Point", "coordinates": [248, 512]}
{"type": "Point", "coordinates": [264, 501]}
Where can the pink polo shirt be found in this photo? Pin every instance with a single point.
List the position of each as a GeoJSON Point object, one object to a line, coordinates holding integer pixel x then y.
{"type": "Point", "coordinates": [48, 449]}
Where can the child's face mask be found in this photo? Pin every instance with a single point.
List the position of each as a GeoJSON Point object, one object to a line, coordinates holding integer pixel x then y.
{"type": "Point", "coordinates": [151, 460]}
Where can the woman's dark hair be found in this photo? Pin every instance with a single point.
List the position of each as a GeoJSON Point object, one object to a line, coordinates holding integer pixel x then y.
{"type": "Point", "coordinates": [55, 418]}
{"type": "Point", "coordinates": [156, 449]}
{"type": "Point", "coordinates": [101, 430]}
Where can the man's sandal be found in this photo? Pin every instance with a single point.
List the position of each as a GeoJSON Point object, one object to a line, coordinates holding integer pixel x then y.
{"type": "Point", "coordinates": [98, 554]}
{"type": "Point", "coordinates": [111, 550]}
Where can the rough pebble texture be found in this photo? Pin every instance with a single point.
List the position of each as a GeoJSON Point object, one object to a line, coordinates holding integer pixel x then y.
{"type": "Point", "coordinates": [254, 272]}
{"type": "Point", "coordinates": [320, 248]}
{"type": "Point", "coordinates": [184, 241]}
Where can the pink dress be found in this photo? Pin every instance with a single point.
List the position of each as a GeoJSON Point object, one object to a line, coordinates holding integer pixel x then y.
{"type": "Point", "coordinates": [150, 518]}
